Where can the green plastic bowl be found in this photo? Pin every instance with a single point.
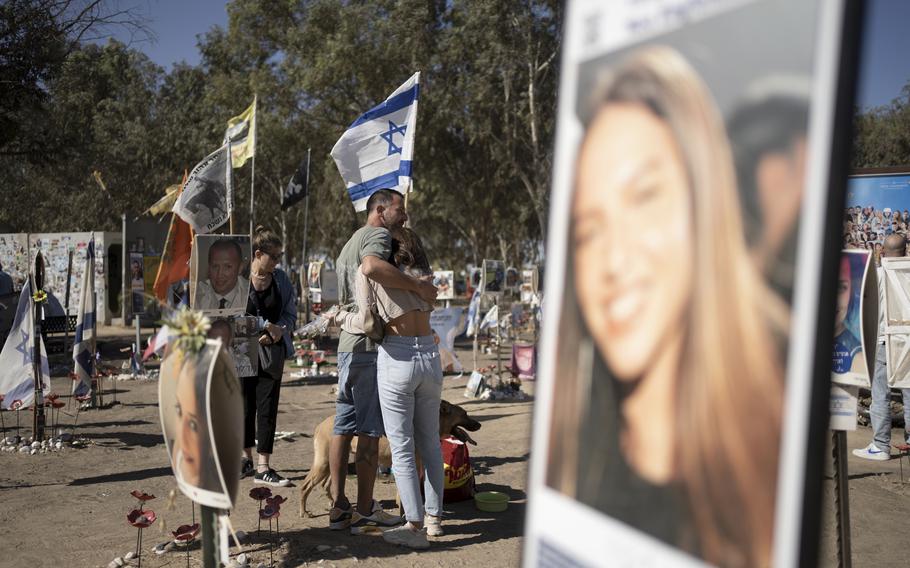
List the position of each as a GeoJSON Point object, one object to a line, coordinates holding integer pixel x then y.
{"type": "Point", "coordinates": [491, 501]}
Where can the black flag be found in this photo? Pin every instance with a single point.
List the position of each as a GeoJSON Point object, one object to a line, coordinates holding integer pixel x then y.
{"type": "Point", "coordinates": [297, 187]}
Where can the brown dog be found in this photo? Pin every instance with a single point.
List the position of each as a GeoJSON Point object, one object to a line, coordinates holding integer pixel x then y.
{"type": "Point", "coordinates": [453, 419]}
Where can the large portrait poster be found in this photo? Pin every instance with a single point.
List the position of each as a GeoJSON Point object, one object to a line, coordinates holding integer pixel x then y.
{"type": "Point", "coordinates": [444, 280]}
{"type": "Point", "coordinates": [679, 324]}
{"type": "Point", "coordinates": [220, 274]}
{"type": "Point", "coordinates": [201, 417]}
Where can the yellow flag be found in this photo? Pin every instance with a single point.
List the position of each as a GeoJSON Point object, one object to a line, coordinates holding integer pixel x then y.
{"type": "Point", "coordinates": [242, 132]}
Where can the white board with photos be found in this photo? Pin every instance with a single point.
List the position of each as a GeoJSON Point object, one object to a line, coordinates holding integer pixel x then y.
{"type": "Point", "coordinates": [655, 225]}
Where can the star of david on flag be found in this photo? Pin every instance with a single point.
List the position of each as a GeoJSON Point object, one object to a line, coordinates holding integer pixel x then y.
{"type": "Point", "coordinates": [376, 150]}
{"type": "Point", "coordinates": [17, 373]}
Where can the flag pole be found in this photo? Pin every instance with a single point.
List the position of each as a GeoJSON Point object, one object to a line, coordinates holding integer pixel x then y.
{"type": "Point", "coordinates": [306, 215]}
{"type": "Point", "coordinates": [253, 171]}
{"type": "Point", "coordinates": [38, 404]}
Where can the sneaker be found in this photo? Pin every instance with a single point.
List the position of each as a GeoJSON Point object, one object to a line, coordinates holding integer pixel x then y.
{"type": "Point", "coordinates": [405, 536]}
{"type": "Point", "coordinates": [246, 468]}
{"type": "Point", "coordinates": [270, 477]}
{"type": "Point", "coordinates": [433, 525]}
{"type": "Point", "coordinates": [339, 519]}
{"type": "Point", "coordinates": [871, 452]}
{"type": "Point", "coordinates": [380, 516]}
{"type": "Point", "coordinates": [363, 524]}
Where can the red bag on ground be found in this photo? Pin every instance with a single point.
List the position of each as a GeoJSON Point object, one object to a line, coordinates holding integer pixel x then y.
{"type": "Point", "coordinates": [459, 475]}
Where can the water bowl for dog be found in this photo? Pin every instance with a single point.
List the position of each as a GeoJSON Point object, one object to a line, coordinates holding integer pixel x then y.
{"type": "Point", "coordinates": [491, 501]}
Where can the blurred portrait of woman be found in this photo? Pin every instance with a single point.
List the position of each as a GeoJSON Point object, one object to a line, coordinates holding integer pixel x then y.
{"type": "Point", "coordinates": [667, 406]}
{"type": "Point", "coordinates": [191, 449]}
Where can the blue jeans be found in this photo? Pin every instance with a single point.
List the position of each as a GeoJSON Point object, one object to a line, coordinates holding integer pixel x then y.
{"type": "Point", "coordinates": [409, 375]}
{"type": "Point", "coordinates": [357, 404]}
{"type": "Point", "coordinates": [880, 410]}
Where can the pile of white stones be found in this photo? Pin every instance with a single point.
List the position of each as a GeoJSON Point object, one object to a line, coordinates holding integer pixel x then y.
{"type": "Point", "coordinates": [31, 447]}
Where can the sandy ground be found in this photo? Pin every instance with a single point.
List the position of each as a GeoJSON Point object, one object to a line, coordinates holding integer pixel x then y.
{"type": "Point", "coordinates": [69, 508]}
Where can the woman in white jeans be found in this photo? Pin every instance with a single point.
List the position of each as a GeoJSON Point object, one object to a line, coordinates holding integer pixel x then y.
{"type": "Point", "coordinates": [409, 377]}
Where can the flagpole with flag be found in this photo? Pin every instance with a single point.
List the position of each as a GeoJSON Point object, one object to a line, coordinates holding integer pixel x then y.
{"type": "Point", "coordinates": [17, 369]}
{"type": "Point", "coordinates": [241, 138]}
{"type": "Point", "coordinates": [84, 343]}
{"type": "Point", "coordinates": [376, 150]}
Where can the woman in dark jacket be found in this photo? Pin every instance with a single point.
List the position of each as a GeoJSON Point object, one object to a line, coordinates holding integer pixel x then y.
{"type": "Point", "coordinates": [273, 301]}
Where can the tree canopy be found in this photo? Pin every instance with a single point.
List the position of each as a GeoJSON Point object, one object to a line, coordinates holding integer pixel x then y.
{"type": "Point", "coordinates": [484, 140]}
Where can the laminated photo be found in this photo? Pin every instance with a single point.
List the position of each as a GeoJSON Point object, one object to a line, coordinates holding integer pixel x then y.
{"type": "Point", "coordinates": [493, 277]}
{"type": "Point", "coordinates": [220, 274]}
{"type": "Point", "coordinates": [444, 280]}
{"type": "Point", "coordinates": [672, 342]}
{"type": "Point", "coordinates": [856, 320]}
{"type": "Point", "coordinates": [240, 335]}
{"type": "Point", "coordinates": [202, 416]}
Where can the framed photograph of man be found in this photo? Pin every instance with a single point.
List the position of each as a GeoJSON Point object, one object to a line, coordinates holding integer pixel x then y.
{"type": "Point", "coordinates": [493, 277]}
{"type": "Point", "coordinates": [673, 335]}
{"type": "Point", "coordinates": [201, 410]}
{"type": "Point", "coordinates": [220, 274]}
{"type": "Point", "coordinates": [444, 280]}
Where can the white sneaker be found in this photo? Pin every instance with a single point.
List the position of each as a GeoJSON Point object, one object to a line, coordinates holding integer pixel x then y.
{"type": "Point", "coordinates": [405, 536]}
{"type": "Point", "coordinates": [433, 525]}
{"type": "Point", "coordinates": [871, 452]}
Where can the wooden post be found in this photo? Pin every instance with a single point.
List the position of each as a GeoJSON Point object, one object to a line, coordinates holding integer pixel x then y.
{"type": "Point", "coordinates": [38, 405]}
{"type": "Point", "coordinates": [210, 553]}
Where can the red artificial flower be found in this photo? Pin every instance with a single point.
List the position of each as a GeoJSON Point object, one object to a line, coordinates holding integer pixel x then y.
{"type": "Point", "coordinates": [260, 493]}
{"type": "Point", "coordinates": [141, 495]}
{"type": "Point", "coordinates": [269, 512]}
{"type": "Point", "coordinates": [275, 501]}
{"type": "Point", "coordinates": [141, 519]}
{"type": "Point", "coordinates": [51, 396]}
{"type": "Point", "coordinates": [16, 405]}
{"type": "Point", "coordinates": [58, 403]}
{"type": "Point", "coordinates": [186, 533]}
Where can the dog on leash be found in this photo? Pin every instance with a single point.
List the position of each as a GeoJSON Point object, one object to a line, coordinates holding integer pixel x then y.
{"type": "Point", "coordinates": [453, 421]}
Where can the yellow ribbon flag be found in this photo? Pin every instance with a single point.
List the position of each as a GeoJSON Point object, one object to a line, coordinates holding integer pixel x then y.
{"type": "Point", "coordinates": [242, 133]}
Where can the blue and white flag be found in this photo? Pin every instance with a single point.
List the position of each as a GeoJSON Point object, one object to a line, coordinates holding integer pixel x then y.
{"type": "Point", "coordinates": [375, 151]}
{"type": "Point", "coordinates": [84, 345]}
{"type": "Point", "coordinates": [17, 373]}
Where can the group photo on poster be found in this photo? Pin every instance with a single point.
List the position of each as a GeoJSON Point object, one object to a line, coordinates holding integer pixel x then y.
{"type": "Point", "coordinates": [669, 358]}
{"type": "Point", "coordinates": [220, 274]}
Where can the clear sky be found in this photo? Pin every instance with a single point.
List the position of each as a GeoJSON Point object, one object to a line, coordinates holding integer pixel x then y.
{"type": "Point", "coordinates": [176, 23]}
{"type": "Point", "coordinates": [885, 57]}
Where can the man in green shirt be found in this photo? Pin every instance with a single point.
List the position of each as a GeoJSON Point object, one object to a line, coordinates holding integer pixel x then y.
{"type": "Point", "coordinates": [357, 409]}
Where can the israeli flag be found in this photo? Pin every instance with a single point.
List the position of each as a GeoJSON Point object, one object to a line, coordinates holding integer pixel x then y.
{"type": "Point", "coordinates": [84, 345]}
{"type": "Point", "coordinates": [17, 373]}
{"type": "Point", "coordinates": [375, 151]}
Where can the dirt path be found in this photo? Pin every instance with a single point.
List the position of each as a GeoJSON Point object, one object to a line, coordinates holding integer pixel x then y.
{"type": "Point", "coordinates": [69, 508]}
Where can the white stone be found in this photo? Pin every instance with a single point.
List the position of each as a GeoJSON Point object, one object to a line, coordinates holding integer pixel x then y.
{"type": "Point", "coordinates": [36, 445]}
{"type": "Point", "coordinates": [160, 548]}
{"type": "Point", "coordinates": [113, 564]}
{"type": "Point", "coordinates": [129, 555]}
{"type": "Point", "coordinates": [118, 561]}
{"type": "Point", "coordinates": [242, 558]}
{"type": "Point", "coordinates": [33, 452]}
{"type": "Point", "coordinates": [58, 445]}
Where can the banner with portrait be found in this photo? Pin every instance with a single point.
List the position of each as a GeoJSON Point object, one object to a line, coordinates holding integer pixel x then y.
{"type": "Point", "coordinates": [201, 410]}
{"type": "Point", "coordinates": [240, 335]}
{"type": "Point", "coordinates": [674, 333]}
{"type": "Point", "coordinates": [220, 274]}
{"type": "Point", "coordinates": [855, 320]}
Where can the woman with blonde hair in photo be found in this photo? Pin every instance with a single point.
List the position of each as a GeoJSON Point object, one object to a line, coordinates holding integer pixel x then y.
{"type": "Point", "coordinates": [667, 407]}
